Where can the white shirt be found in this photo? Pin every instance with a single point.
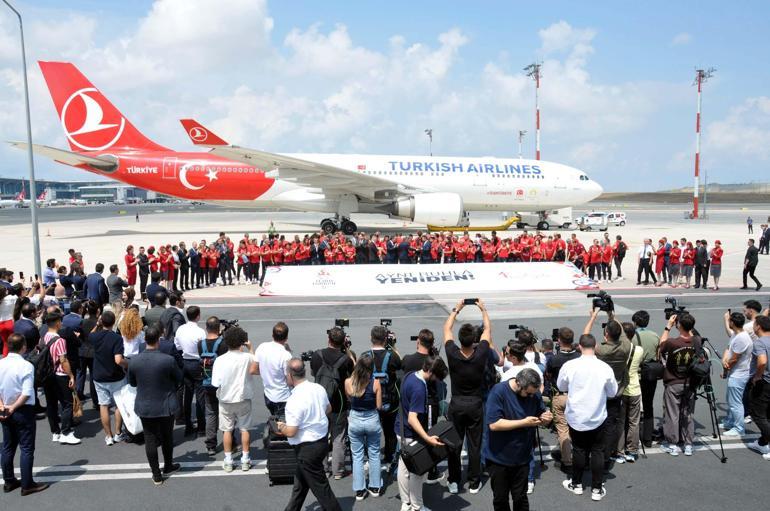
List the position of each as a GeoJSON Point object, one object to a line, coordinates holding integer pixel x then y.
{"type": "Point", "coordinates": [589, 382]}
{"type": "Point", "coordinates": [17, 378]}
{"type": "Point", "coordinates": [6, 307]}
{"type": "Point", "coordinates": [306, 409]}
{"type": "Point", "coordinates": [131, 347]}
{"type": "Point", "coordinates": [230, 375]}
{"type": "Point", "coordinates": [187, 338]}
{"type": "Point", "coordinates": [511, 372]}
{"type": "Point", "coordinates": [272, 358]}
{"type": "Point", "coordinates": [741, 344]}
{"type": "Point", "coordinates": [645, 252]}
{"type": "Point", "coordinates": [748, 327]}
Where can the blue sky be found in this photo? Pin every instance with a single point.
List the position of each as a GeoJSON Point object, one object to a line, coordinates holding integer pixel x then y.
{"type": "Point", "coordinates": [368, 77]}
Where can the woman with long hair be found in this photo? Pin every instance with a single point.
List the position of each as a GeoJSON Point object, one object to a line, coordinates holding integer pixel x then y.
{"type": "Point", "coordinates": [86, 352]}
{"type": "Point", "coordinates": [364, 429]}
{"type": "Point", "coordinates": [131, 329]}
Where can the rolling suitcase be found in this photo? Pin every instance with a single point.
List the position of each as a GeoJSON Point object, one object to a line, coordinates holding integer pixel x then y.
{"type": "Point", "coordinates": [281, 459]}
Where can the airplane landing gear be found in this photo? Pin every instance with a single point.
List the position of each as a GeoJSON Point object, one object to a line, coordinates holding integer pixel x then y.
{"type": "Point", "coordinates": [543, 226]}
{"type": "Point", "coordinates": [330, 226]}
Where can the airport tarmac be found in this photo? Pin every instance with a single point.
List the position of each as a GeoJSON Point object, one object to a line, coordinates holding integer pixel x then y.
{"type": "Point", "coordinates": [101, 233]}
{"type": "Point", "coordinates": [92, 472]}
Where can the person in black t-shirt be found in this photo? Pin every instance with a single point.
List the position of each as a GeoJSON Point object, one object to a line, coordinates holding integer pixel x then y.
{"type": "Point", "coordinates": [565, 353]}
{"type": "Point", "coordinates": [467, 364]}
{"type": "Point", "coordinates": [390, 400]}
{"type": "Point", "coordinates": [109, 373]}
{"type": "Point", "coordinates": [436, 388]}
{"type": "Point", "coordinates": [338, 420]}
{"type": "Point", "coordinates": [211, 403]}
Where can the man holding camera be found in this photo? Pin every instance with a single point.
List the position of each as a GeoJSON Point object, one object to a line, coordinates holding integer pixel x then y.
{"type": "Point", "coordinates": [467, 364]}
{"type": "Point", "coordinates": [330, 367]}
{"type": "Point", "coordinates": [514, 409]}
{"type": "Point", "coordinates": [565, 353]}
{"type": "Point", "coordinates": [616, 352]}
{"type": "Point", "coordinates": [386, 364]}
{"type": "Point", "coordinates": [679, 353]}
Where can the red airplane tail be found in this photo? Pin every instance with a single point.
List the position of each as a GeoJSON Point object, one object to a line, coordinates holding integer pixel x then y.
{"type": "Point", "coordinates": [41, 197]}
{"type": "Point", "coordinates": [19, 196]}
{"type": "Point", "coordinates": [89, 120]}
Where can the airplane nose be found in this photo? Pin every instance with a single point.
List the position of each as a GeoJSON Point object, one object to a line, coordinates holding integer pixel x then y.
{"type": "Point", "coordinates": [596, 189]}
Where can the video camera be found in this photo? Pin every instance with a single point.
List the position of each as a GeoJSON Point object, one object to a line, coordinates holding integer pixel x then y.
{"type": "Point", "coordinates": [391, 339]}
{"type": "Point", "coordinates": [602, 301]}
{"type": "Point", "coordinates": [523, 328]}
{"type": "Point", "coordinates": [306, 356]}
{"type": "Point", "coordinates": [675, 308]}
{"type": "Point", "coordinates": [342, 323]}
{"type": "Point", "coordinates": [228, 323]}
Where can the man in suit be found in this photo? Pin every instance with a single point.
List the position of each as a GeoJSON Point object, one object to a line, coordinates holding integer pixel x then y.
{"type": "Point", "coordinates": [184, 267]}
{"type": "Point", "coordinates": [701, 264]}
{"type": "Point", "coordinates": [156, 377]}
{"type": "Point", "coordinates": [153, 315]}
{"type": "Point", "coordinates": [74, 320]}
{"type": "Point", "coordinates": [750, 263]}
{"type": "Point", "coordinates": [96, 288]}
{"type": "Point", "coordinates": [173, 317]}
{"type": "Point", "coordinates": [154, 288]}
{"type": "Point", "coordinates": [26, 326]}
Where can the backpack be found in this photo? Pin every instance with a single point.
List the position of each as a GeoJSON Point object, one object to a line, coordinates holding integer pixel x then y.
{"type": "Point", "coordinates": [208, 358]}
{"type": "Point", "coordinates": [700, 368]}
{"type": "Point", "coordinates": [384, 378]}
{"type": "Point", "coordinates": [328, 376]}
{"type": "Point", "coordinates": [41, 360]}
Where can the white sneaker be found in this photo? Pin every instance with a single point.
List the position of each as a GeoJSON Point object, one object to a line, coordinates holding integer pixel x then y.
{"type": "Point", "coordinates": [530, 487]}
{"type": "Point", "coordinates": [69, 439]}
{"type": "Point", "coordinates": [577, 489]}
{"type": "Point", "coordinates": [121, 437]}
{"type": "Point", "coordinates": [761, 449]}
{"type": "Point", "coordinates": [55, 437]}
{"type": "Point", "coordinates": [109, 441]}
{"type": "Point", "coordinates": [688, 450]}
{"type": "Point", "coordinates": [722, 425]}
{"type": "Point", "coordinates": [732, 432]}
{"type": "Point", "coordinates": [766, 457]}
{"type": "Point", "coordinates": [598, 495]}
{"type": "Point", "coordinates": [452, 487]}
{"type": "Point", "coordinates": [747, 419]}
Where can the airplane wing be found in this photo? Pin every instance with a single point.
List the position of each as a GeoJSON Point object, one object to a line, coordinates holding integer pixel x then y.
{"type": "Point", "coordinates": [332, 181]}
{"type": "Point", "coordinates": [69, 157]}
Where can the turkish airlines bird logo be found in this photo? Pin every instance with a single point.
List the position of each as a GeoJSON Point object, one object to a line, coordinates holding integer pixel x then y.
{"type": "Point", "coordinates": [82, 118]}
{"type": "Point", "coordinates": [198, 134]}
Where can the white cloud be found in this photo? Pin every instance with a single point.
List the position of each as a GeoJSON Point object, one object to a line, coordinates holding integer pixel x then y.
{"type": "Point", "coordinates": [745, 132]}
{"type": "Point", "coordinates": [681, 38]}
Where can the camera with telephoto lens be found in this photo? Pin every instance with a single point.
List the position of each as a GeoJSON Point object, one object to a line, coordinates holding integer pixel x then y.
{"type": "Point", "coordinates": [390, 340]}
{"type": "Point", "coordinates": [674, 309]}
{"type": "Point", "coordinates": [341, 324]}
{"type": "Point", "coordinates": [228, 323]}
{"type": "Point", "coordinates": [602, 301]}
{"type": "Point", "coordinates": [306, 356]}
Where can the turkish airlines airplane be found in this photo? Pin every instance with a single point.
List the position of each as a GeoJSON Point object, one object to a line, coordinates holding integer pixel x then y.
{"type": "Point", "coordinates": [428, 190]}
{"type": "Point", "coordinates": [16, 202]}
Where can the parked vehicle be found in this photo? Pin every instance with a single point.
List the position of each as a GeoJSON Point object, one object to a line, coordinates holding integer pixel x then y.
{"type": "Point", "coordinates": [593, 221]}
{"type": "Point", "coordinates": [616, 218]}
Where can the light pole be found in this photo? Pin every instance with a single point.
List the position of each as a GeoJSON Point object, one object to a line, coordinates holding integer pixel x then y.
{"type": "Point", "coordinates": [521, 138]}
{"type": "Point", "coordinates": [533, 71]}
{"type": "Point", "coordinates": [429, 132]}
{"type": "Point", "coordinates": [32, 189]}
{"type": "Point", "coordinates": [701, 76]}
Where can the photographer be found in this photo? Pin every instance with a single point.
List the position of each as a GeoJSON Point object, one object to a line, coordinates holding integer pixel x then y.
{"type": "Point", "coordinates": [616, 352]}
{"type": "Point", "coordinates": [514, 408]}
{"type": "Point", "coordinates": [330, 368]}
{"type": "Point", "coordinates": [649, 341]}
{"type": "Point", "coordinates": [736, 363]}
{"type": "Point", "coordinates": [467, 363]}
{"type": "Point", "coordinates": [411, 424]}
{"type": "Point", "coordinates": [628, 438]}
{"type": "Point", "coordinates": [678, 354]}
{"type": "Point", "coordinates": [387, 363]}
{"type": "Point", "coordinates": [436, 389]}
{"type": "Point", "coordinates": [565, 353]}
{"type": "Point", "coordinates": [516, 360]}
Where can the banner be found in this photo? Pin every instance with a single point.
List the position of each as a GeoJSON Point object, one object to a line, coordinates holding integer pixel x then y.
{"type": "Point", "coordinates": [421, 279]}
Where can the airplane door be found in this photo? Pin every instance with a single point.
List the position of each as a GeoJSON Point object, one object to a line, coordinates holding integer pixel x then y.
{"type": "Point", "coordinates": [169, 167]}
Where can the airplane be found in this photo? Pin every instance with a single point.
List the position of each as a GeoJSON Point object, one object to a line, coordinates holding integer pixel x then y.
{"type": "Point", "coordinates": [16, 202]}
{"type": "Point", "coordinates": [423, 189]}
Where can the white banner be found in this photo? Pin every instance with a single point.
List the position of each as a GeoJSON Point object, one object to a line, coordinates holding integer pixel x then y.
{"type": "Point", "coordinates": [419, 279]}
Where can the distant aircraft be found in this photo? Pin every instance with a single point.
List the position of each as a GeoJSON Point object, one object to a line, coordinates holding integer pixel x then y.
{"type": "Point", "coordinates": [16, 202]}
{"type": "Point", "coordinates": [428, 190]}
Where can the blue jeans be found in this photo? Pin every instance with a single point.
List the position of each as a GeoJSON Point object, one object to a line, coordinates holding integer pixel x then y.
{"type": "Point", "coordinates": [534, 468]}
{"type": "Point", "coordinates": [364, 431]}
{"type": "Point", "coordinates": [735, 387]}
{"type": "Point", "coordinates": [19, 432]}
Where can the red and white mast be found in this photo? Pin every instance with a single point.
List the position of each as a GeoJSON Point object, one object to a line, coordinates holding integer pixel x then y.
{"type": "Point", "coordinates": [533, 71]}
{"type": "Point", "coordinates": [701, 76]}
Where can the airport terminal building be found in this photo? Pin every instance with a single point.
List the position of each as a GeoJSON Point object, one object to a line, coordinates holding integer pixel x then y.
{"type": "Point", "coordinates": [91, 191]}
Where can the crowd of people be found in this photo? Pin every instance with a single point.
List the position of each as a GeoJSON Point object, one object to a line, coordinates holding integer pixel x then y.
{"type": "Point", "coordinates": [201, 374]}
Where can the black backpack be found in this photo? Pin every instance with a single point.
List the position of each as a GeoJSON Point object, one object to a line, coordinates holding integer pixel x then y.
{"type": "Point", "coordinates": [41, 360]}
{"type": "Point", "coordinates": [700, 368]}
{"type": "Point", "coordinates": [384, 378]}
{"type": "Point", "coordinates": [328, 376]}
{"type": "Point", "coordinates": [208, 358]}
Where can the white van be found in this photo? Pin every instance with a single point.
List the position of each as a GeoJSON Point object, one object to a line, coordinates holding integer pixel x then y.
{"type": "Point", "coordinates": [595, 220]}
{"type": "Point", "coordinates": [616, 218]}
